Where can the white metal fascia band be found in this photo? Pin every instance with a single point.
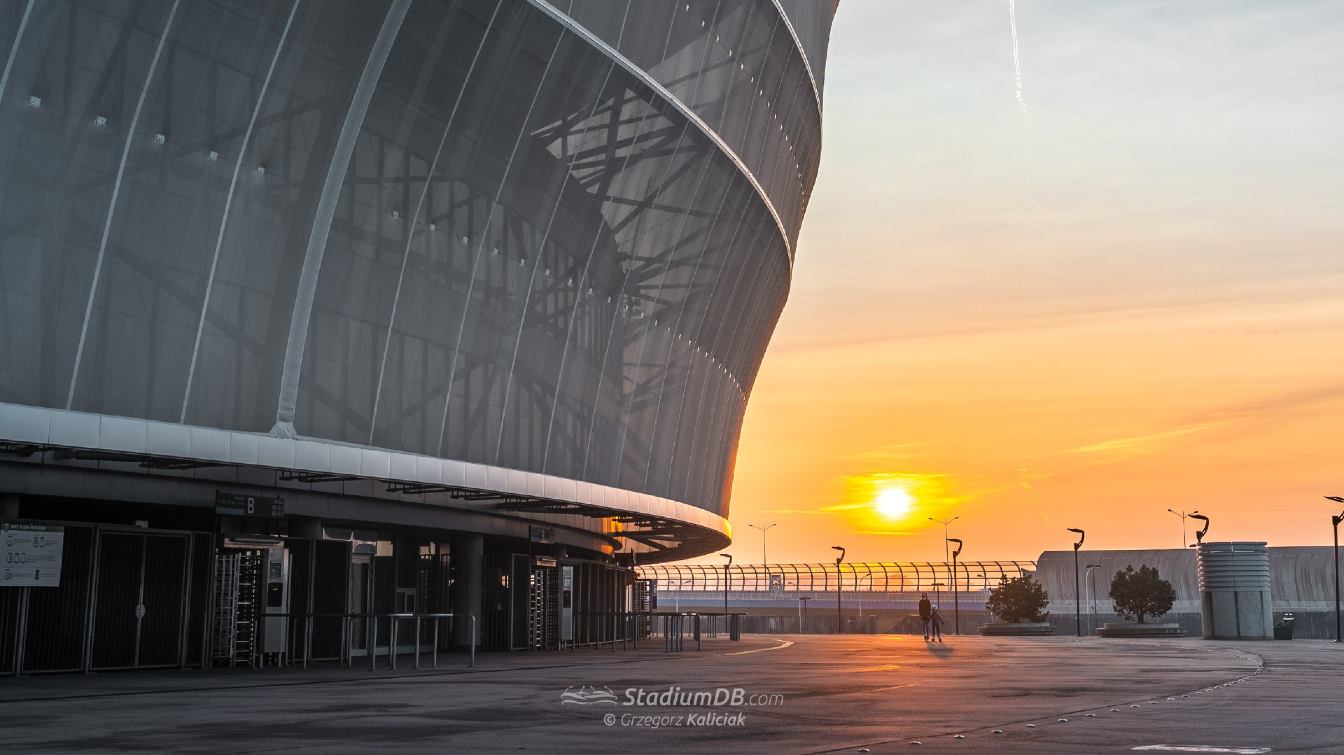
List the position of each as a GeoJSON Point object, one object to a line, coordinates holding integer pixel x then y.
{"type": "Point", "coordinates": [802, 53]}
{"type": "Point", "coordinates": [690, 115]}
{"type": "Point", "coordinates": [61, 427]}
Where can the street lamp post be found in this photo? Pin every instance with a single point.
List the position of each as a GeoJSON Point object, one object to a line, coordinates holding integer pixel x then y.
{"type": "Point", "coordinates": [1092, 594]}
{"type": "Point", "coordinates": [726, 580]}
{"type": "Point", "coordinates": [1077, 582]}
{"type": "Point", "coordinates": [858, 594]}
{"type": "Point", "coordinates": [1199, 536]}
{"type": "Point", "coordinates": [956, 594]}
{"type": "Point", "coordinates": [1334, 521]}
{"type": "Point", "coordinates": [763, 530]}
{"type": "Point", "coordinates": [1183, 515]}
{"type": "Point", "coordinates": [839, 615]}
{"type": "Point", "coordinates": [945, 522]}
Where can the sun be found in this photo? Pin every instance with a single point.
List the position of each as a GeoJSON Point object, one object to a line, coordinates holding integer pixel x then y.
{"type": "Point", "coordinates": [893, 503]}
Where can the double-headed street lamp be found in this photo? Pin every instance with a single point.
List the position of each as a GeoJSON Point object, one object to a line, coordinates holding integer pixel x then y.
{"type": "Point", "coordinates": [944, 522]}
{"type": "Point", "coordinates": [1077, 582]}
{"type": "Point", "coordinates": [1183, 515]}
{"type": "Point", "coordinates": [1334, 521]}
{"type": "Point", "coordinates": [839, 616]}
{"type": "Point", "coordinates": [956, 596]}
{"type": "Point", "coordinates": [763, 530]}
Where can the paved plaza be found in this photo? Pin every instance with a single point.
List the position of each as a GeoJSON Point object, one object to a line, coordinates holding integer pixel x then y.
{"type": "Point", "coordinates": [873, 693]}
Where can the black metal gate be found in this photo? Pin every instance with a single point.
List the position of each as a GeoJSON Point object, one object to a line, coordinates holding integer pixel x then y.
{"type": "Point", "coordinates": [42, 629]}
{"type": "Point", "coordinates": [140, 600]}
{"type": "Point", "coordinates": [331, 595]}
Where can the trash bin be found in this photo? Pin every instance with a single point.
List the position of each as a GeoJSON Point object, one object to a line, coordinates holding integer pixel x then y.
{"type": "Point", "coordinates": [1283, 630]}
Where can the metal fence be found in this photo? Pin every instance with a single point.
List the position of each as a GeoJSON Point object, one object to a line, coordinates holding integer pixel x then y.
{"type": "Point", "coordinates": [361, 631]}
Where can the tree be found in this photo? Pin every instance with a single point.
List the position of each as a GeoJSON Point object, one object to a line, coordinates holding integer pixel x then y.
{"type": "Point", "coordinates": [1018, 600]}
{"type": "Point", "coordinates": [1141, 593]}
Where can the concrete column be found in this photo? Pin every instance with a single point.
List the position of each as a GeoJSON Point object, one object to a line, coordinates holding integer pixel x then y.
{"type": "Point", "coordinates": [468, 555]}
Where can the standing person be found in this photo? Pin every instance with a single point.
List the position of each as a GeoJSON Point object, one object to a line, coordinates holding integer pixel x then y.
{"type": "Point", "coordinates": [936, 622]}
{"type": "Point", "coordinates": [925, 611]}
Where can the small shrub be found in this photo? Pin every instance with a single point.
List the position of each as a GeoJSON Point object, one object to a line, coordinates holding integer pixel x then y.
{"type": "Point", "coordinates": [1141, 593]}
{"type": "Point", "coordinates": [1019, 600]}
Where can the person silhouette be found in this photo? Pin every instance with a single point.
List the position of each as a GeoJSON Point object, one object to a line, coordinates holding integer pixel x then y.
{"type": "Point", "coordinates": [925, 611]}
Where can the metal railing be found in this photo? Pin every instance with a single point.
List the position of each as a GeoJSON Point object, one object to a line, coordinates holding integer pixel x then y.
{"type": "Point", "coordinates": [629, 627]}
{"type": "Point", "coordinates": [306, 621]}
{"type": "Point", "coordinates": [866, 577]}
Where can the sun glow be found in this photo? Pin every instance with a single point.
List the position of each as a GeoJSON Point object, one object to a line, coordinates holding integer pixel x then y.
{"type": "Point", "coordinates": [893, 502]}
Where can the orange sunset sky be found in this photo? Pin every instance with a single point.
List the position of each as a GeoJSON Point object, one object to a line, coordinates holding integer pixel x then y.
{"type": "Point", "coordinates": [1122, 294]}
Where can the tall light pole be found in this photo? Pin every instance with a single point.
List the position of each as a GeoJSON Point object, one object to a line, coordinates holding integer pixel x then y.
{"type": "Point", "coordinates": [763, 530]}
{"type": "Point", "coordinates": [956, 595]}
{"type": "Point", "coordinates": [726, 580]}
{"type": "Point", "coordinates": [1092, 593]}
{"type": "Point", "coordinates": [1334, 521]}
{"type": "Point", "coordinates": [1183, 515]}
{"type": "Point", "coordinates": [839, 616]}
{"type": "Point", "coordinates": [1077, 582]}
{"type": "Point", "coordinates": [1199, 536]}
{"type": "Point", "coordinates": [945, 522]}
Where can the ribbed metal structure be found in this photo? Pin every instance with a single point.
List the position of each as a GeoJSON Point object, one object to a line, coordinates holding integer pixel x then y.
{"type": "Point", "coordinates": [1234, 582]}
{"type": "Point", "coordinates": [1233, 566]}
{"type": "Point", "coordinates": [551, 237]}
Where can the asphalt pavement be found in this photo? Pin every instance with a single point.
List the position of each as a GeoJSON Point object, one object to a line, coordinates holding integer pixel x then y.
{"type": "Point", "coordinates": [769, 694]}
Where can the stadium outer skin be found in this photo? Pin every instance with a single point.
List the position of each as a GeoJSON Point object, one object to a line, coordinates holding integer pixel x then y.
{"type": "Point", "coordinates": [458, 265]}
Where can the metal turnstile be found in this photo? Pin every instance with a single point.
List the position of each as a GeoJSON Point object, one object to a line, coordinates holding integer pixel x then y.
{"type": "Point", "coordinates": [543, 609]}
{"type": "Point", "coordinates": [250, 583]}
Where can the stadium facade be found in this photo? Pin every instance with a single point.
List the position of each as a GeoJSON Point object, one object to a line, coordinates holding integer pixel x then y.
{"type": "Point", "coordinates": [352, 307]}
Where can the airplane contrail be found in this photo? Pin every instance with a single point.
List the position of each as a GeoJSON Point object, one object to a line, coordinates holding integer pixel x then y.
{"type": "Point", "coordinates": [1017, 62]}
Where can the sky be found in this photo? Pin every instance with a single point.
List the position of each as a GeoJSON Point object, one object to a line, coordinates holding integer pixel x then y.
{"type": "Point", "coordinates": [1121, 294]}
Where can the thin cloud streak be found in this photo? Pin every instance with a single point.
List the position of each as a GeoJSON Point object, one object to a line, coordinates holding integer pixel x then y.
{"type": "Point", "coordinates": [1138, 444]}
{"type": "Point", "coordinates": [1017, 63]}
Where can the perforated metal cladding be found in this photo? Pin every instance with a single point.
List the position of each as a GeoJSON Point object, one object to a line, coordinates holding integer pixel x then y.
{"type": "Point", "coordinates": [455, 228]}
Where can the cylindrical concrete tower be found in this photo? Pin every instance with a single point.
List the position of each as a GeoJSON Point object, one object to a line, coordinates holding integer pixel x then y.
{"type": "Point", "coordinates": [1234, 591]}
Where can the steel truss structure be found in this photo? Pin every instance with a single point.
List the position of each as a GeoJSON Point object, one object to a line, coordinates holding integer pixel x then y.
{"type": "Point", "coordinates": [865, 577]}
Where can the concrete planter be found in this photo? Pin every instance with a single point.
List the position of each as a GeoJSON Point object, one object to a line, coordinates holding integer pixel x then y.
{"type": "Point", "coordinates": [1140, 630]}
{"type": "Point", "coordinates": [1041, 629]}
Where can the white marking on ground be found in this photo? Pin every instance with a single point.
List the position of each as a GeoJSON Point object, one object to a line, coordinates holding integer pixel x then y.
{"type": "Point", "coordinates": [1203, 748]}
{"type": "Point", "coordinates": [780, 646]}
